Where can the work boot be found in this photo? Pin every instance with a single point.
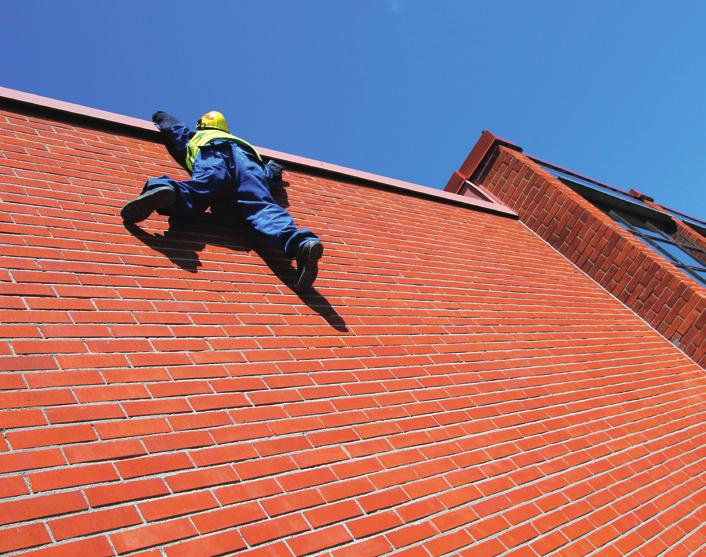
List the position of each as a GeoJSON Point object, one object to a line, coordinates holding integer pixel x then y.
{"type": "Point", "coordinates": [308, 257]}
{"type": "Point", "coordinates": [141, 207]}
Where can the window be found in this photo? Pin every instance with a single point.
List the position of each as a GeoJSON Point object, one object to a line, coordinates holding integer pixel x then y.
{"type": "Point", "coordinates": [682, 253]}
{"type": "Point", "coordinates": [654, 227]}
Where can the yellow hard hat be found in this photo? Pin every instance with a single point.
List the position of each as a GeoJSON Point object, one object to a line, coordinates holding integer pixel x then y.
{"type": "Point", "coordinates": [213, 120]}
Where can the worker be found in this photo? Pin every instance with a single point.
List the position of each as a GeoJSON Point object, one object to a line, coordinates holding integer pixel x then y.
{"type": "Point", "coordinates": [225, 170]}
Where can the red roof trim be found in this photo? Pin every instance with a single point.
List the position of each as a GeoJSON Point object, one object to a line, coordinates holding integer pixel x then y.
{"type": "Point", "coordinates": [483, 147]}
{"type": "Point", "coordinates": [400, 185]}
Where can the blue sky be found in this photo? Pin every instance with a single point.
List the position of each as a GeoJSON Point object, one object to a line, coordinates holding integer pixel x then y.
{"type": "Point", "coordinates": [612, 89]}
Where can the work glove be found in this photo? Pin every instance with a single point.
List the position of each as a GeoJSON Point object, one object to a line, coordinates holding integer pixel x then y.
{"type": "Point", "coordinates": [275, 171]}
{"type": "Point", "coordinates": [164, 120]}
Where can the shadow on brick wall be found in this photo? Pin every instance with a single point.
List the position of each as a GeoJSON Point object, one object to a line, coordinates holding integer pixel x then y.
{"type": "Point", "coordinates": [185, 238]}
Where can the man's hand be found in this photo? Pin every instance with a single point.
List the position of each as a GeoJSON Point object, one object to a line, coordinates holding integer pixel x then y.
{"type": "Point", "coordinates": [161, 117]}
{"type": "Point", "coordinates": [165, 121]}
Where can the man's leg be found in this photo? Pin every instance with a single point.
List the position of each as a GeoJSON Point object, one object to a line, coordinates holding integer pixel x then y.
{"type": "Point", "coordinates": [256, 204]}
{"type": "Point", "coordinates": [157, 194]}
{"type": "Point", "coordinates": [180, 198]}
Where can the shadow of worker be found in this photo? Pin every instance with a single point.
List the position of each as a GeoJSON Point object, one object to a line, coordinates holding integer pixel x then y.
{"type": "Point", "coordinates": [185, 238]}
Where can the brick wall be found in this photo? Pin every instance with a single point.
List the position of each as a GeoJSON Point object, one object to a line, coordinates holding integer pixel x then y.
{"type": "Point", "coordinates": [455, 386]}
{"type": "Point", "coordinates": [660, 293]}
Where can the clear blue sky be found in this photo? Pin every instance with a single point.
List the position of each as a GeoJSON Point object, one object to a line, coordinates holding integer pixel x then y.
{"type": "Point", "coordinates": [613, 89]}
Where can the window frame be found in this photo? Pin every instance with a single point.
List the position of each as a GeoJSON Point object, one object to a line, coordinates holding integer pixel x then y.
{"type": "Point", "coordinates": [657, 236]}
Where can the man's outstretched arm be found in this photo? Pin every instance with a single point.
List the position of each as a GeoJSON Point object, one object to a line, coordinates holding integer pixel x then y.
{"type": "Point", "coordinates": [177, 134]}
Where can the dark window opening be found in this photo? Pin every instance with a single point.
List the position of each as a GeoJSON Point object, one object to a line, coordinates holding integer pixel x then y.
{"type": "Point", "coordinates": [660, 238]}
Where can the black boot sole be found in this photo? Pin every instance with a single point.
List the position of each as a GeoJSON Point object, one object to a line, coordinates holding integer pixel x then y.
{"type": "Point", "coordinates": [141, 208]}
{"type": "Point", "coordinates": [310, 269]}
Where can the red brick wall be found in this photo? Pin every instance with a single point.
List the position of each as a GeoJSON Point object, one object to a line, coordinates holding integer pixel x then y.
{"type": "Point", "coordinates": [457, 386]}
{"type": "Point", "coordinates": [660, 293]}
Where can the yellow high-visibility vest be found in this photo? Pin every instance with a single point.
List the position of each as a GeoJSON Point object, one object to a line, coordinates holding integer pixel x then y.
{"type": "Point", "coordinates": [202, 137]}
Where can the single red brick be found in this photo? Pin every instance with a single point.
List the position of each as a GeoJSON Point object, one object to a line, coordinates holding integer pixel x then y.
{"type": "Point", "coordinates": [273, 529]}
{"type": "Point", "coordinates": [214, 402]}
{"type": "Point", "coordinates": [336, 512]}
{"type": "Point", "coordinates": [82, 361]}
{"type": "Point", "coordinates": [228, 517]}
{"type": "Point", "coordinates": [317, 541]}
{"type": "Point", "coordinates": [306, 478]}
{"type": "Point", "coordinates": [131, 428]}
{"type": "Point", "coordinates": [366, 448]}
{"type": "Point", "coordinates": [112, 392]}
{"type": "Point", "coordinates": [19, 331]}
{"type": "Point", "coordinates": [200, 420]}
{"type": "Point", "coordinates": [152, 534]}
{"type": "Point", "coordinates": [490, 548]}
{"type": "Point", "coordinates": [316, 457]}
{"type": "Point", "coordinates": [26, 363]}
{"type": "Point", "coordinates": [226, 453]}
{"type": "Point", "coordinates": [10, 419]}
{"type": "Point", "coordinates": [30, 460]}
{"type": "Point", "coordinates": [73, 476]}
{"type": "Point", "coordinates": [216, 544]}
{"type": "Point", "coordinates": [158, 359]}
{"type": "Point", "coordinates": [125, 491]}
{"type": "Point", "coordinates": [24, 289]}
{"type": "Point", "coordinates": [167, 507]}
{"type": "Point", "coordinates": [95, 547]}
{"type": "Point", "coordinates": [93, 522]}
{"type": "Point", "coordinates": [74, 331]}
{"type": "Point", "coordinates": [50, 436]}
{"type": "Point", "coordinates": [278, 396]}
{"type": "Point", "coordinates": [40, 506]}
{"type": "Point", "coordinates": [370, 548]}
{"type": "Point", "coordinates": [282, 445]}
{"type": "Point", "coordinates": [292, 501]}
{"type": "Point", "coordinates": [195, 479]}
{"type": "Point", "coordinates": [22, 537]}
{"type": "Point", "coordinates": [24, 399]}
{"type": "Point", "coordinates": [419, 509]}
{"type": "Point", "coordinates": [448, 542]}
{"type": "Point", "coordinates": [150, 407]}
{"type": "Point", "coordinates": [46, 346]}
{"type": "Point", "coordinates": [64, 378]}
{"type": "Point", "coordinates": [334, 437]}
{"type": "Point", "coordinates": [412, 534]}
{"type": "Point", "coordinates": [104, 450]}
{"type": "Point", "coordinates": [11, 486]}
{"type": "Point", "coordinates": [248, 415]}
{"type": "Point", "coordinates": [416, 551]}
{"type": "Point", "coordinates": [377, 522]}
{"type": "Point", "coordinates": [264, 467]}
{"type": "Point", "coordinates": [298, 425]}
{"type": "Point", "coordinates": [237, 384]}
{"type": "Point", "coordinates": [277, 549]}
{"type": "Point", "coordinates": [179, 388]}
{"type": "Point", "coordinates": [347, 488]}
{"type": "Point", "coordinates": [382, 499]}
{"type": "Point", "coordinates": [247, 491]}
{"type": "Point", "coordinates": [84, 413]}
{"type": "Point", "coordinates": [153, 464]}
{"type": "Point", "coordinates": [549, 543]}
{"type": "Point", "coordinates": [360, 467]}
{"type": "Point", "coordinates": [241, 433]}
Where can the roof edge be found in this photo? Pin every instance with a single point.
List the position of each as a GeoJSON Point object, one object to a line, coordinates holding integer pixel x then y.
{"type": "Point", "coordinates": [484, 146]}
{"type": "Point", "coordinates": [72, 109]}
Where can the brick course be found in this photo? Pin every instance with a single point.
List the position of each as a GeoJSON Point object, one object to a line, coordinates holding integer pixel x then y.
{"type": "Point", "coordinates": [454, 386]}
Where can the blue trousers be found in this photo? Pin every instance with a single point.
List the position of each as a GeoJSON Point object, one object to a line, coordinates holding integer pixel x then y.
{"type": "Point", "coordinates": [225, 173]}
